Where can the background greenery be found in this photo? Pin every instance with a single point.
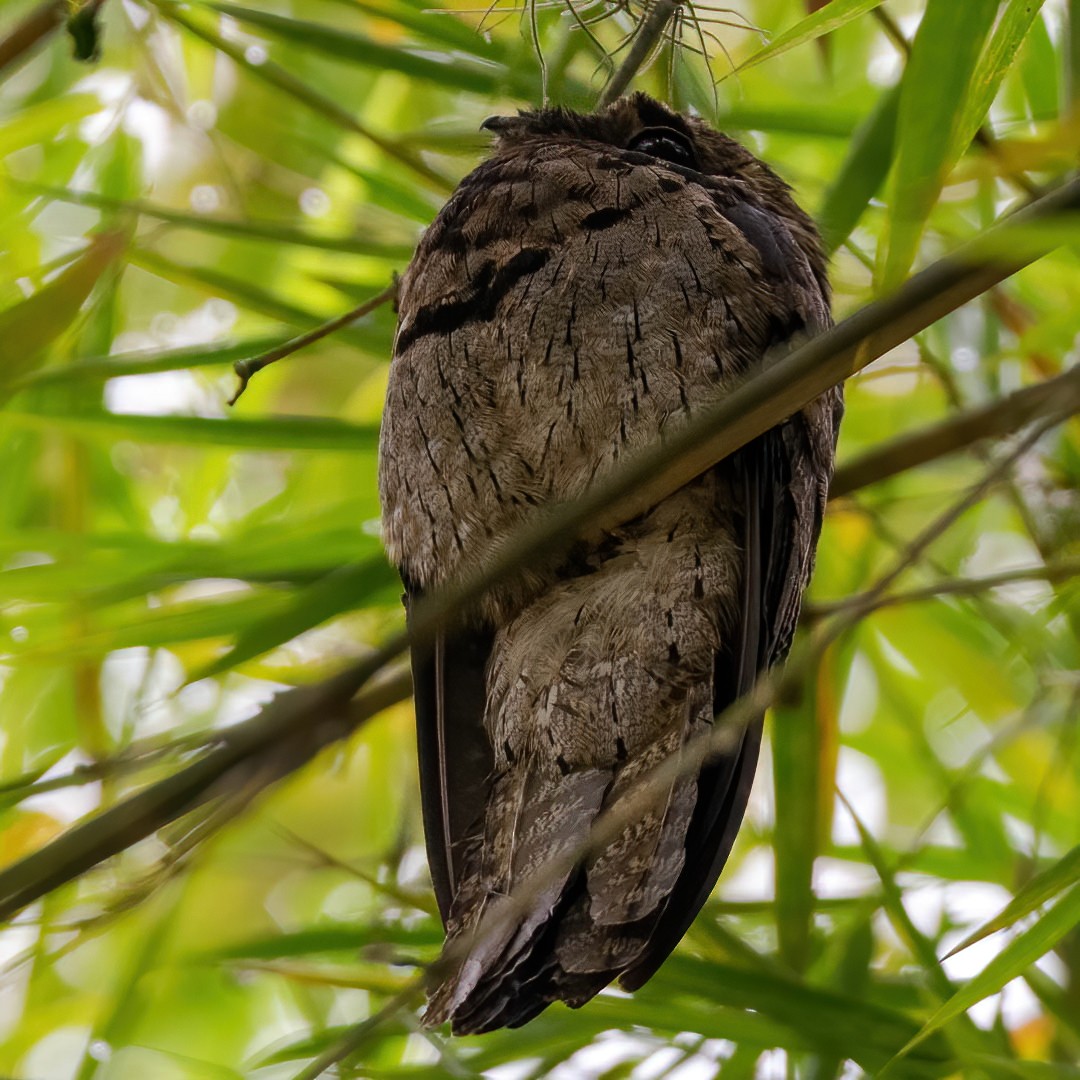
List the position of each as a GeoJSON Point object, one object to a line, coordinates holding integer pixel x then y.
{"type": "Point", "coordinates": [224, 177]}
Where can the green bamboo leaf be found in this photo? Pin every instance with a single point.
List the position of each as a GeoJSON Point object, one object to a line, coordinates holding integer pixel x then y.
{"type": "Point", "coordinates": [823, 21]}
{"type": "Point", "coordinates": [852, 1027]}
{"type": "Point", "coordinates": [269, 231]}
{"type": "Point", "coordinates": [998, 56]}
{"type": "Point", "coordinates": [103, 569]}
{"type": "Point", "coordinates": [371, 335]}
{"type": "Point", "coordinates": [1012, 961]}
{"type": "Point", "coordinates": [862, 173]}
{"type": "Point", "coordinates": [920, 945]}
{"type": "Point", "coordinates": [243, 292]}
{"type": "Point", "coordinates": [717, 1023]}
{"type": "Point", "coordinates": [795, 117]}
{"type": "Point", "coordinates": [242, 433]}
{"type": "Point", "coordinates": [443, 27]}
{"type": "Point", "coordinates": [285, 81]}
{"type": "Point", "coordinates": [1042, 887]}
{"type": "Point", "coordinates": [795, 835]}
{"type": "Point", "coordinates": [362, 50]}
{"type": "Point", "coordinates": [935, 86]}
{"type": "Point", "coordinates": [329, 939]}
{"type": "Point", "coordinates": [149, 362]}
{"type": "Point", "coordinates": [39, 123]}
{"type": "Point", "coordinates": [852, 976]}
{"type": "Point", "coordinates": [1039, 66]}
{"type": "Point", "coordinates": [29, 327]}
{"type": "Point", "coordinates": [134, 626]}
{"type": "Point", "coordinates": [341, 590]}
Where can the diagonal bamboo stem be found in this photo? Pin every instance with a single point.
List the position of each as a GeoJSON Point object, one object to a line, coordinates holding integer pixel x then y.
{"type": "Point", "coordinates": [997, 419]}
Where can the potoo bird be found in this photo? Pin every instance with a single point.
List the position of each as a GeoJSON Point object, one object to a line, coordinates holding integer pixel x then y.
{"type": "Point", "coordinates": [587, 288]}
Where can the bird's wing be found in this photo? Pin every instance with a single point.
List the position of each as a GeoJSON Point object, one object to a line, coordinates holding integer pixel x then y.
{"type": "Point", "coordinates": [784, 475]}
{"type": "Point", "coordinates": [452, 747]}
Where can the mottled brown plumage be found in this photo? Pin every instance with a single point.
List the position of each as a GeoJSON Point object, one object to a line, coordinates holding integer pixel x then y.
{"type": "Point", "coordinates": [591, 284]}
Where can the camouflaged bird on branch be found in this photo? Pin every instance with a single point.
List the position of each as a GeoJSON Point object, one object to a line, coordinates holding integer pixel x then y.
{"type": "Point", "coordinates": [594, 282]}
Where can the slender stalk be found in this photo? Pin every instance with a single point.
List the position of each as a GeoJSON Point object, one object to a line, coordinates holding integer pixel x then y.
{"type": "Point", "coordinates": [644, 41]}
{"type": "Point", "coordinates": [958, 432]}
{"type": "Point", "coordinates": [245, 369]}
{"type": "Point", "coordinates": [1060, 570]}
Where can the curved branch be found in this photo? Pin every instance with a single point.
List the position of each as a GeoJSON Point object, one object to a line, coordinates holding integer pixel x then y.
{"type": "Point", "coordinates": [992, 421]}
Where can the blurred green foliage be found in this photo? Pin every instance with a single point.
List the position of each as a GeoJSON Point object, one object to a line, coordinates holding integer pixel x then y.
{"type": "Point", "coordinates": [225, 177]}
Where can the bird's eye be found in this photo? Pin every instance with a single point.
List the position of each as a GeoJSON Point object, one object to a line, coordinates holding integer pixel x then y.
{"type": "Point", "coordinates": [667, 144]}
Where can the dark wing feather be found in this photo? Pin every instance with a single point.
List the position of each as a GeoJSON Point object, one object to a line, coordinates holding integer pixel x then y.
{"type": "Point", "coordinates": [783, 474]}
{"type": "Point", "coordinates": [724, 783]}
{"type": "Point", "coordinates": [454, 753]}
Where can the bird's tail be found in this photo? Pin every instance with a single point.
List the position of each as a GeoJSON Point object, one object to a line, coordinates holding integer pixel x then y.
{"type": "Point", "coordinates": [590, 687]}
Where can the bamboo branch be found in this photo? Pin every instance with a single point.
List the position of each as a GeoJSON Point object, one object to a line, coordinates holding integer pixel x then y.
{"type": "Point", "coordinates": [288, 732]}
{"type": "Point", "coordinates": [245, 369]}
{"type": "Point", "coordinates": [992, 421]}
{"type": "Point", "coordinates": [1060, 570]}
{"type": "Point", "coordinates": [648, 34]}
{"type": "Point", "coordinates": [299, 722]}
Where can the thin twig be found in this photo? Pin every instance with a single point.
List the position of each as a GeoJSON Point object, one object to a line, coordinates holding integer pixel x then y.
{"type": "Point", "coordinates": [648, 35]}
{"type": "Point", "coordinates": [1059, 570]}
{"type": "Point", "coordinates": [299, 722]}
{"type": "Point", "coordinates": [941, 524]}
{"type": "Point", "coordinates": [245, 369]}
{"type": "Point", "coordinates": [992, 421]}
{"type": "Point", "coordinates": [356, 1036]}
